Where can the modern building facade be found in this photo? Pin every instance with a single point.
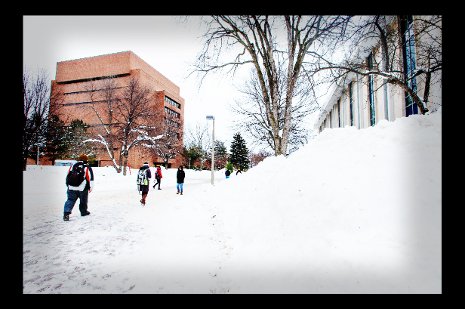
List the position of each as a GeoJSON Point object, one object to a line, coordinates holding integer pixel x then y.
{"type": "Point", "coordinates": [364, 100]}
{"type": "Point", "coordinates": [78, 81]}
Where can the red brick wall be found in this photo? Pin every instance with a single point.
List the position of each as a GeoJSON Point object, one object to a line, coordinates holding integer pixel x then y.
{"type": "Point", "coordinates": [104, 65]}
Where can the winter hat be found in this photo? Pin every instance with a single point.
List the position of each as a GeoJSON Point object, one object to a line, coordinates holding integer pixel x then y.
{"type": "Point", "coordinates": [146, 163]}
{"type": "Point", "coordinates": [83, 158]}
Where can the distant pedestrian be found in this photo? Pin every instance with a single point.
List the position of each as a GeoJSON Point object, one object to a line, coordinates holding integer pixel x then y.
{"type": "Point", "coordinates": [239, 171]}
{"type": "Point", "coordinates": [227, 173]}
{"type": "Point", "coordinates": [180, 175]}
{"type": "Point", "coordinates": [79, 182]}
{"type": "Point", "coordinates": [158, 177]}
{"type": "Point", "coordinates": [143, 180]}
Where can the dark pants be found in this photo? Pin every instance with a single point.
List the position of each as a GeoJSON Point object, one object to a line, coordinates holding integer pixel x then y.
{"type": "Point", "coordinates": [145, 191]}
{"type": "Point", "coordinates": [157, 183]}
{"type": "Point", "coordinates": [72, 198]}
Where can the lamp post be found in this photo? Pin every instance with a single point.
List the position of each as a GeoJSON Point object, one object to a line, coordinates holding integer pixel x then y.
{"type": "Point", "coordinates": [213, 149]}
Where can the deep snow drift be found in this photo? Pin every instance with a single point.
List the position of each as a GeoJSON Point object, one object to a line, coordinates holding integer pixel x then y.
{"type": "Point", "coordinates": [354, 211]}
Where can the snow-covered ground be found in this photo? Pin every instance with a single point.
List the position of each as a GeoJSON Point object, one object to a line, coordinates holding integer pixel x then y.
{"type": "Point", "coordinates": [354, 211]}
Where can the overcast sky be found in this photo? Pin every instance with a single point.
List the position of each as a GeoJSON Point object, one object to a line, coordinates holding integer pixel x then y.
{"type": "Point", "coordinates": [170, 44]}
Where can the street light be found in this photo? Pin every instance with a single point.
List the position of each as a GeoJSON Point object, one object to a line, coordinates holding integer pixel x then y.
{"type": "Point", "coordinates": [38, 154]}
{"type": "Point", "coordinates": [213, 148]}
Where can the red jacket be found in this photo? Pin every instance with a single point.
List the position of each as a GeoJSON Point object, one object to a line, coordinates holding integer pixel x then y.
{"type": "Point", "coordinates": [159, 175]}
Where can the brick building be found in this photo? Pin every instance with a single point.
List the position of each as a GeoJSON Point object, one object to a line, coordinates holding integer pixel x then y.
{"type": "Point", "coordinates": [77, 80]}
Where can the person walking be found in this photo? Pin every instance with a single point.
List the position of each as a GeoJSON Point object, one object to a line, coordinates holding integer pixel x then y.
{"type": "Point", "coordinates": [158, 177]}
{"type": "Point", "coordinates": [180, 175]}
{"type": "Point", "coordinates": [79, 182]}
{"type": "Point", "coordinates": [143, 180]}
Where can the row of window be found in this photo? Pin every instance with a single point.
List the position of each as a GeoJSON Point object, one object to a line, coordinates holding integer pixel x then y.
{"type": "Point", "coordinates": [327, 121]}
{"type": "Point", "coordinates": [86, 91]}
{"type": "Point", "coordinates": [171, 112]}
{"type": "Point", "coordinates": [172, 123]}
{"type": "Point", "coordinates": [92, 79]}
{"type": "Point", "coordinates": [172, 102]}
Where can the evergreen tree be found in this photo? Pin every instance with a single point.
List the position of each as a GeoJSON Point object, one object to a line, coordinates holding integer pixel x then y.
{"type": "Point", "coordinates": [66, 141]}
{"type": "Point", "coordinates": [239, 156]}
{"type": "Point", "coordinates": [193, 153]}
{"type": "Point", "coordinates": [58, 139]}
{"type": "Point", "coordinates": [221, 154]}
{"type": "Point", "coordinates": [76, 134]}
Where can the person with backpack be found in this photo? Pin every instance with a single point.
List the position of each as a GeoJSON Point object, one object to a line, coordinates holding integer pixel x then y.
{"type": "Point", "coordinates": [158, 177]}
{"type": "Point", "coordinates": [143, 180]}
{"type": "Point", "coordinates": [79, 182]}
{"type": "Point", "coordinates": [180, 175]}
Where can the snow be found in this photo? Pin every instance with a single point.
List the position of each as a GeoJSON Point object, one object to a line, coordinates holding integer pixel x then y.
{"type": "Point", "coordinates": [353, 211]}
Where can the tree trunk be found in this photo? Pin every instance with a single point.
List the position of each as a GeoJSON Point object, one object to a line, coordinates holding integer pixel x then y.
{"type": "Point", "coordinates": [125, 164]}
{"type": "Point", "coordinates": [412, 93]}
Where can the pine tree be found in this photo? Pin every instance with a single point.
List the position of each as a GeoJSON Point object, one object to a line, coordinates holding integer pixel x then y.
{"type": "Point", "coordinates": [58, 141]}
{"type": "Point", "coordinates": [239, 153]}
{"type": "Point", "coordinates": [221, 154]}
{"type": "Point", "coordinates": [76, 134]}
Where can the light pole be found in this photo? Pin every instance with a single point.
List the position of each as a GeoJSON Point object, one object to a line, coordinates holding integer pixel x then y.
{"type": "Point", "coordinates": [213, 149]}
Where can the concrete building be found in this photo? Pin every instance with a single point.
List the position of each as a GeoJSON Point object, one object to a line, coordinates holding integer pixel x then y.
{"type": "Point", "coordinates": [363, 101]}
{"type": "Point", "coordinates": [78, 81]}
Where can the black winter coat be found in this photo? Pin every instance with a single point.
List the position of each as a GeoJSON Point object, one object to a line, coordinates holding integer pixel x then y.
{"type": "Point", "coordinates": [180, 175]}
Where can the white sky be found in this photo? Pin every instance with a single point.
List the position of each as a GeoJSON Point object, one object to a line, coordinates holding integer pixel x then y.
{"type": "Point", "coordinates": [353, 211]}
{"type": "Point", "coordinates": [164, 42]}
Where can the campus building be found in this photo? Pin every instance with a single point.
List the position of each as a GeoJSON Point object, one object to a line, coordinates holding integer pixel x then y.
{"type": "Point", "coordinates": [364, 100]}
{"type": "Point", "coordinates": [78, 81]}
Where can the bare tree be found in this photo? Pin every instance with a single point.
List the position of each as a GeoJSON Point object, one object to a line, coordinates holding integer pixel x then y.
{"type": "Point", "coordinates": [168, 147]}
{"type": "Point", "coordinates": [258, 157]}
{"type": "Point", "coordinates": [38, 104]}
{"type": "Point", "coordinates": [135, 119]}
{"type": "Point", "coordinates": [391, 36]}
{"type": "Point", "coordinates": [254, 123]}
{"type": "Point", "coordinates": [170, 144]}
{"type": "Point", "coordinates": [125, 118]}
{"type": "Point", "coordinates": [200, 140]}
{"type": "Point", "coordinates": [257, 39]}
{"type": "Point", "coordinates": [103, 99]}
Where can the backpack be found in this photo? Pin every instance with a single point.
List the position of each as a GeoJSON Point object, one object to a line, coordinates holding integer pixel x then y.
{"type": "Point", "coordinates": [76, 175]}
{"type": "Point", "coordinates": [142, 177]}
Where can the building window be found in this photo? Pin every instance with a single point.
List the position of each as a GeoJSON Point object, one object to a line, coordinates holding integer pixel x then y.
{"type": "Point", "coordinates": [172, 102]}
{"type": "Point", "coordinates": [171, 123]}
{"type": "Point", "coordinates": [408, 50]}
{"type": "Point", "coordinates": [171, 112]}
{"type": "Point", "coordinates": [351, 102]}
{"type": "Point", "coordinates": [371, 91]}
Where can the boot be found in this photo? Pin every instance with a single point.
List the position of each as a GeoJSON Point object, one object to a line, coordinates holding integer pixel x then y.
{"type": "Point", "coordinates": [143, 199]}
